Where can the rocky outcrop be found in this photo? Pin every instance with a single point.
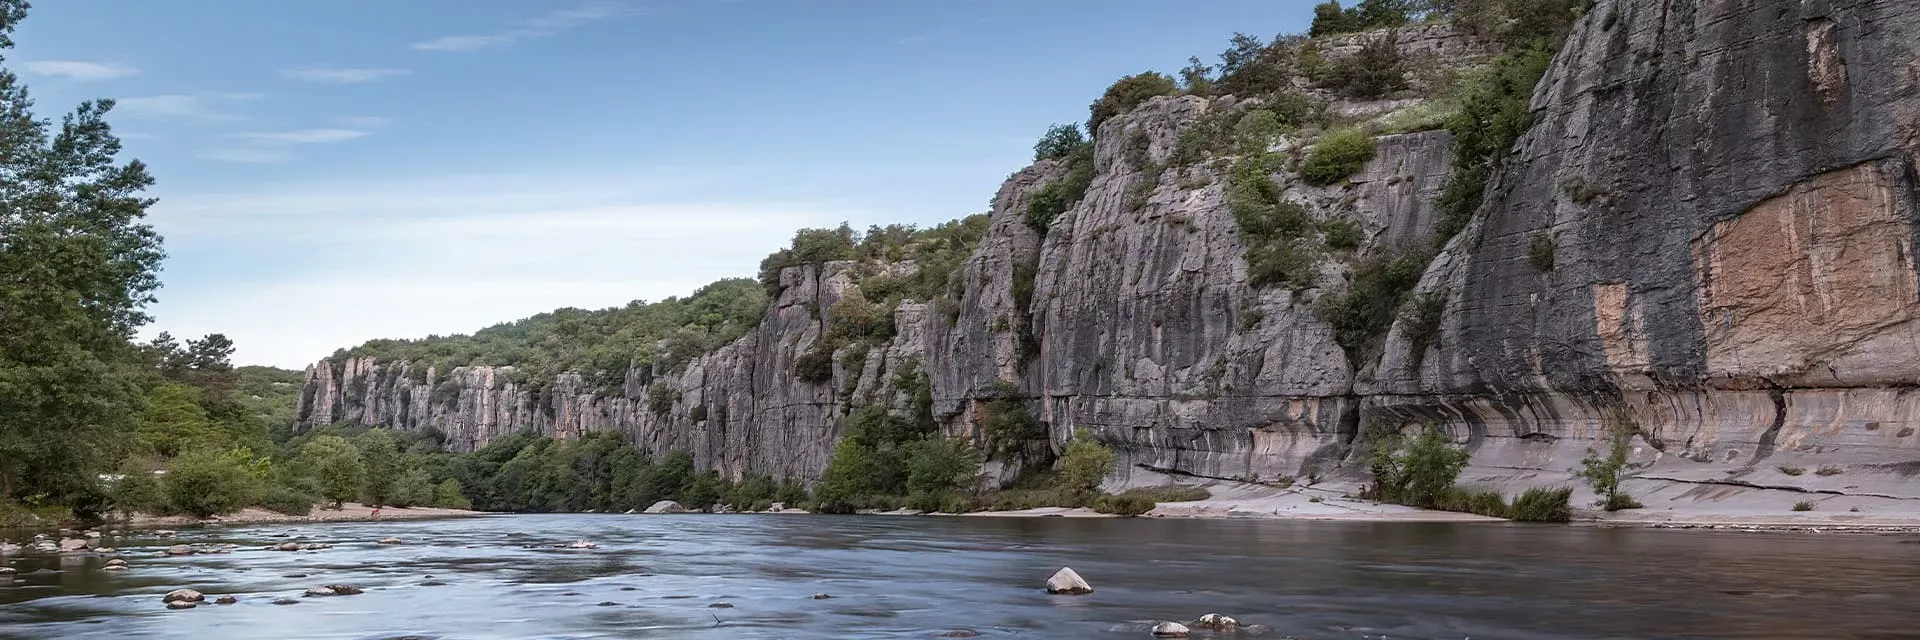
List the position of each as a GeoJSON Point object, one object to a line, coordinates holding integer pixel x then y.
{"type": "Point", "coordinates": [1728, 192]}
{"type": "Point", "coordinates": [1724, 194]}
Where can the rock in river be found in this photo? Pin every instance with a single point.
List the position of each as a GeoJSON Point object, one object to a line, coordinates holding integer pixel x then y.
{"type": "Point", "coordinates": [180, 604]}
{"type": "Point", "coordinates": [1216, 622]}
{"type": "Point", "coordinates": [1170, 630]}
{"type": "Point", "coordinates": [225, 600]}
{"type": "Point", "coordinates": [179, 550]}
{"type": "Point", "coordinates": [392, 541]}
{"type": "Point", "coordinates": [1065, 581]}
{"type": "Point", "coordinates": [333, 590]}
{"type": "Point", "coordinates": [182, 595]}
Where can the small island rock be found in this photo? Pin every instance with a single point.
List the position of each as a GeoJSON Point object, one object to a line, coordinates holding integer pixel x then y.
{"type": "Point", "coordinates": [182, 595]}
{"type": "Point", "coordinates": [1216, 622]}
{"type": "Point", "coordinates": [1170, 630]}
{"type": "Point", "coordinates": [392, 541]}
{"type": "Point", "coordinates": [666, 506]}
{"type": "Point", "coordinates": [1065, 581]}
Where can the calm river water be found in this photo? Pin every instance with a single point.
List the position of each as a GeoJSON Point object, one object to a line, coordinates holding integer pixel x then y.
{"type": "Point", "coordinates": [904, 577]}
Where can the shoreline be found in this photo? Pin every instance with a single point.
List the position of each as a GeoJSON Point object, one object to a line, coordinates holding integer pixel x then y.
{"type": "Point", "coordinates": [348, 512]}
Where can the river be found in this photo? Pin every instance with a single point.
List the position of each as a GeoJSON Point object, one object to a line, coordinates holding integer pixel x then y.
{"type": "Point", "coordinates": [908, 577]}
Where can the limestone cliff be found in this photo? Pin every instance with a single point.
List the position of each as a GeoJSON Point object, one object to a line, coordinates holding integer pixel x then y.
{"type": "Point", "coordinates": [1724, 192]}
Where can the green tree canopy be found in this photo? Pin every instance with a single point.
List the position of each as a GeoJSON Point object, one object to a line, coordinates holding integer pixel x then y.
{"type": "Point", "coordinates": [335, 463]}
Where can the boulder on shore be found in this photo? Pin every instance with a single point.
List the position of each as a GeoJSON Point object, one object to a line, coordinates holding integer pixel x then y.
{"type": "Point", "coordinates": [1065, 581]}
{"type": "Point", "coordinates": [666, 506]}
{"type": "Point", "coordinates": [1170, 630]}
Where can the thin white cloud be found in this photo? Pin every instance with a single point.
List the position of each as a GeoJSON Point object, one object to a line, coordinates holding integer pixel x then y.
{"type": "Point", "coordinates": [211, 106]}
{"type": "Point", "coordinates": [78, 70]}
{"type": "Point", "coordinates": [539, 27]}
{"type": "Point", "coordinates": [341, 75]}
{"type": "Point", "coordinates": [274, 147]}
{"type": "Point", "coordinates": [305, 136]}
{"type": "Point", "coordinates": [364, 121]}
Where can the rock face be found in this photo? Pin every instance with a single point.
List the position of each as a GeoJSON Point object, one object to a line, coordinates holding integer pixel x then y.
{"type": "Point", "coordinates": [1727, 190]}
{"type": "Point", "coordinates": [1733, 276]}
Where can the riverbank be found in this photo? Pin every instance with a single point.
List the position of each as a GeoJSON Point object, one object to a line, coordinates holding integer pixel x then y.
{"type": "Point", "coordinates": [348, 512]}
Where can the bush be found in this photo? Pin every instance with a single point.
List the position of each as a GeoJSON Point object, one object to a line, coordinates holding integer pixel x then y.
{"type": "Point", "coordinates": [814, 366]}
{"type": "Point", "coordinates": [335, 463]}
{"type": "Point", "coordinates": [1060, 141]}
{"type": "Point", "coordinates": [1084, 466]}
{"type": "Point", "coordinates": [1416, 472]}
{"type": "Point", "coordinates": [1803, 505]}
{"type": "Point", "coordinates": [1342, 234]}
{"type": "Point", "coordinates": [208, 483]}
{"type": "Point", "coordinates": [449, 495]}
{"type": "Point", "coordinates": [138, 491]}
{"type": "Point", "coordinates": [1486, 503]}
{"type": "Point", "coordinates": [1056, 197]}
{"type": "Point", "coordinates": [1543, 505]}
{"type": "Point", "coordinates": [1127, 93]}
{"type": "Point", "coordinates": [1828, 470]}
{"type": "Point", "coordinates": [1172, 493]}
{"type": "Point", "coordinates": [1338, 155]}
{"type": "Point", "coordinates": [1540, 252]}
{"type": "Point", "coordinates": [286, 500]}
{"type": "Point", "coordinates": [1125, 504]}
{"type": "Point", "coordinates": [1495, 109]}
{"type": "Point", "coordinates": [1792, 471]}
{"type": "Point", "coordinates": [1006, 425]}
{"type": "Point", "coordinates": [413, 488]}
{"type": "Point", "coordinates": [1362, 315]}
{"type": "Point", "coordinates": [1369, 74]}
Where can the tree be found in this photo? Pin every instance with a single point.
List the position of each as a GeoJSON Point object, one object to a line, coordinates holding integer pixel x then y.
{"type": "Point", "coordinates": [1127, 93]}
{"type": "Point", "coordinates": [1197, 77]}
{"type": "Point", "coordinates": [413, 488]}
{"type": "Point", "coordinates": [1084, 466]}
{"type": "Point", "coordinates": [449, 495]}
{"type": "Point", "coordinates": [1418, 471]}
{"type": "Point", "coordinates": [381, 459]}
{"type": "Point", "coordinates": [174, 421]}
{"type": "Point", "coordinates": [80, 268]}
{"type": "Point", "coordinates": [209, 483]}
{"type": "Point", "coordinates": [138, 491]}
{"type": "Point", "coordinates": [1060, 141]}
{"type": "Point", "coordinates": [1605, 474]}
{"type": "Point", "coordinates": [1330, 19]}
{"type": "Point", "coordinates": [335, 463]}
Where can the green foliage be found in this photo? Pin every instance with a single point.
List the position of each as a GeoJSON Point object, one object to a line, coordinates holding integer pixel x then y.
{"type": "Point", "coordinates": [414, 488]}
{"type": "Point", "coordinates": [1495, 109]}
{"type": "Point", "coordinates": [1085, 464]}
{"type": "Point", "coordinates": [138, 491]}
{"type": "Point", "coordinates": [1056, 197]}
{"type": "Point", "coordinates": [208, 482]}
{"type": "Point", "coordinates": [79, 268]}
{"type": "Point", "coordinates": [1803, 505]}
{"type": "Point", "coordinates": [1421, 323]}
{"type": "Point", "coordinates": [1540, 252]}
{"type": "Point", "coordinates": [1197, 78]}
{"type": "Point", "coordinates": [1605, 474]}
{"type": "Point", "coordinates": [816, 365]}
{"type": "Point", "coordinates": [1340, 154]}
{"type": "Point", "coordinates": [1427, 115]}
{"type": "Point", "coordinates": [174, 421]}
{"type": "Point", "coordinates": [1270, 227]}
{"type": "Point", "coordinates": [1005, 424]}
{"type": "Point", "coordinates": [380, 456]}
{"type": "Point", "coordinates": [1125, 504]}
{"type": "Point", "coordinates": [1371, 73]}
{"type": "Point", "coordinates": [1127, 93]}
{"type": "Point", "coordinates": [1543, 505]}
{"type": "Point", "coordinates": [449, 495]}
{"type": "Point", "coordinates": [1171, 493]}
{"type": "Point", "coordinates": [336, 464]}
{"type": "Point", "coordinates": [1330, 19]}
{"type": "Point", "coordinates": [1341, 234]}
{"type": "Point", "coordinates": [1417, 471]}
{"type": "Point", "coordinates": [1060, 141]}
{"type": "Point", "coordinates": [285, 500]}
{"type": "Point", "coordinates": [939, 466]}
{"type": "Point", "coordinates": [1362, 315]}
{"type": "Point", "coordinates": [1792, 471]}
{"type": "Point", "coordinates": [1250, 68]}
{"type": "Point", "coordinates": [1485, 503]}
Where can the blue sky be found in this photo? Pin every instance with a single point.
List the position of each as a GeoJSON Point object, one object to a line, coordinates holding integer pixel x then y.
{"type": "Point", "coordinates": [331, 172]}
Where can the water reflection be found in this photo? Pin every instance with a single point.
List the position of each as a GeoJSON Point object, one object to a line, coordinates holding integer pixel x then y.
{"type": "Point", "coordinates": [658, 576]}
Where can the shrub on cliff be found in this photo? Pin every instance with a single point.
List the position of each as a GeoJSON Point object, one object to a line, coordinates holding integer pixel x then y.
{"type": "Point", "coordinates": [1125, 94]}
{"type": "Point", "coordinates": [1338, 155]}
{"type": "Point", "coordinates": [1605, 473]}
{"type": "Point", "coordinates": [1060, 141]}
{"type": "Point", "coordinates": [208, 483]}
{"type": "Point", "coordinates": [1370, 74]}
{"type": "Point", "coordinates": [1053, 199]}
{"type": "Point", "coordinates": [1330, 19]}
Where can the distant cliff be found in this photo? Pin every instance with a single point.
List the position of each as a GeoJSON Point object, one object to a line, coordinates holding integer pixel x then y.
{"type": "Point", "coordinates": [1705, 238]}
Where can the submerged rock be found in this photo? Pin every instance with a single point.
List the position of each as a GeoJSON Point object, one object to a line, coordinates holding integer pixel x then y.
{"type": "Point", "coordinates": [580, 544]}
{"type": "Point", "coordinates": [392, 541]}
{"type": "Point", "coordinates": [284, 601]}
{"type": "Point", "coordinates": [334, 590]}
{"type": "Point", "coordinates": [1066, 582]}
{"type": "Point", "coordinates": [68, 545]}
{"type": "Point", "coordinates": [182, 595]}
{"type": "Point", "coordinates": [8, 548]}
{"type": "Point", "coordinates": [181, 604]}
{"type": "Point", "coordinates": [821, 596]}
{"type": "Point", "coordinates": [179, 550]}
{"type": "Point", "coordinates": [225, 600]}
{"type": "Point", "coordinates": [1170, 630]}
{"type": "Point", "coordinates": [961, 633]}
{"type": "Point", "coordinates": [666, 506]}
{"type": "Point", "coordinates": [720, 605]}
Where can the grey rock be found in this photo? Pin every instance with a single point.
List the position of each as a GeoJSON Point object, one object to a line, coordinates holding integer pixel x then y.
{"type": "Point", "coordinates": [1170, 630]}
{"type": "Point", "coordinates": [182, 595]}
{"type": "Point", "coordinates": [1066, 581]}
{"type": "Point", "coordinates": [1216, 622]}
{"type": "Point", "coordinates": [285, 601]}
{"type": "Point", "coordinates": [225, 600]}
{"type": "Point", "coordinates": [180, 550]}
{"type": "Point", "coordinates": [181, 604]}
{"type": "Point", "coordinates": [391, 541]}
{"type": "Point", "coordinates": [68, 545]}
{"type": "Point", "coordinates": [666, 506]}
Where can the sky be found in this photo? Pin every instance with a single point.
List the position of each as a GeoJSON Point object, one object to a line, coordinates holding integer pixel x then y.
{"type": "Point", "coordinates": [331, 172]}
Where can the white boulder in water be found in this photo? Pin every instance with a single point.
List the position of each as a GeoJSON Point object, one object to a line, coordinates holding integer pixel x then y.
{"type": "Point", "coordinates": [1170, 630]}
{"type": "Point", "coordinates": [1065, 581]}
{"type": "Point", "coordinates": [182, 595]}
{"type": "Point", "coordinates": [1216, 622]}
